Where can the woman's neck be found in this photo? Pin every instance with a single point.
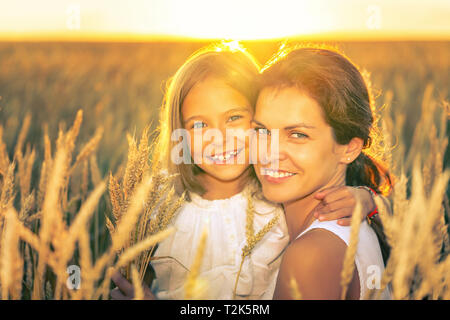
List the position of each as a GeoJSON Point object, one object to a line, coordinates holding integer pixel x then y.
{"type": "Point", "coordinates": [299, 213]}
{"type": "Point", "coordinates": [218, 189]}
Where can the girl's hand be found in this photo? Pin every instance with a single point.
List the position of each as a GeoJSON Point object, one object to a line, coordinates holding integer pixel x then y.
{"type": "Point", "coordinates": [338, 203]}
{"type": "Point", "coordinates": [125, 290]}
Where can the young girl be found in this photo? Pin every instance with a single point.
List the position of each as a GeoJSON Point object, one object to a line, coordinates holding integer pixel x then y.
{"type": "Point", "coordinates": [215, 90]}
{"type": "Point", "coordinates": [320, 104]}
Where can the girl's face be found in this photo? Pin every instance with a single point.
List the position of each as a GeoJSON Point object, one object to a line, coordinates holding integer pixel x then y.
{"type": "Point", "coordinates": [309, 158]}
{"type": "Point", "coordinates": [210, 111]}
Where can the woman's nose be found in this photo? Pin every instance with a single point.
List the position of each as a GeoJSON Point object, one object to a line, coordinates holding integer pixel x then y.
{"type": "Point", "coordinates": [274, 153]}
{"type": "Point", "coordinates": [275, 156]}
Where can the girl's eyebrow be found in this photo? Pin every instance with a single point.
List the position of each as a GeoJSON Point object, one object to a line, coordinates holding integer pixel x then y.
{"type": "Point", "coordinates": [190, 118]}
{"type": "Point", "coordinates": [243, 109]}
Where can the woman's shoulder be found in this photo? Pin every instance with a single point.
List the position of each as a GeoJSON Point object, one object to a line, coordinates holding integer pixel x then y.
{"type": "Point", "coordinates": [316, 246]}
{"type": "Point", "coordinates": [342, 232]}
{"type": "Point", "coordinates": [318, 242]}
{"type": "Point", "coordinates": [316, 257]}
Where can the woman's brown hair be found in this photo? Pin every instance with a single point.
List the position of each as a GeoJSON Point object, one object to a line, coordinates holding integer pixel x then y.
{"type": "Point", "coordinates": [341, 90]}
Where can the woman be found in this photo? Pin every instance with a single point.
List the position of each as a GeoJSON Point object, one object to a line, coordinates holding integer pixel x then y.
{"type": "Point", "coordinates": [321, 105]}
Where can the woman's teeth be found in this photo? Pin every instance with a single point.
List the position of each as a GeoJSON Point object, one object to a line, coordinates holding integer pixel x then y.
{"type": "Point", "coordinates": [225, 156]}
{"type": "Point", "coordinates": [276, 173]}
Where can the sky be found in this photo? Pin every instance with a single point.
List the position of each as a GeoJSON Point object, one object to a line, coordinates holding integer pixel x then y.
{"type": "Point", "coordinates": [229, 19]}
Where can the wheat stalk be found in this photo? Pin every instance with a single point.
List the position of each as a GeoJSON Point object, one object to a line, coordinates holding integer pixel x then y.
{"type": "Point", "coordinates": [251, 238]}
{"type": "Point", "coordinates": [194, 287]}
{"type": "Point", "coordinates": [295, 292]}
{"type": "Point", "coordinates": [11, 262]}
{"type": "Point", "coordinates": [349, 259]}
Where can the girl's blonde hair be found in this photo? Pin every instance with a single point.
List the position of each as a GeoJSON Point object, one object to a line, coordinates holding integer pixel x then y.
{"type": "Point", "coordinates": [226, 61]}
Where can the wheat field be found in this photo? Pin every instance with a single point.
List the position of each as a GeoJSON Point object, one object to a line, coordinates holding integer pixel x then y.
{"type": "Point", "coordinates": [78, 186]}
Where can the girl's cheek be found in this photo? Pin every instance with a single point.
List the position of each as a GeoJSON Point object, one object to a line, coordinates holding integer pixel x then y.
{"type": "Point", "coordinates": [196, 147]}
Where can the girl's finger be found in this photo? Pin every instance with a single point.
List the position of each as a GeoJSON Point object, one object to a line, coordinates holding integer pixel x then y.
{"type": "Point", "coordinates": [318, 209]}
{"type": "Point", "coordinates": [344, 221]}
{"type": "Point", "coordinates": [336, 205]}
{"type": "Point", "coordinates": [117, 295]}
{"type": "Point", "coordinates": [323, 193]}
{"type": "Point", "coordinates": [148, 294]}
{"type": "Point", "coordinates": [338, 194]}
{"type": "Point", "coordinates": [337, 214]}
{"type": "Point", "coordinates": [124, 285]}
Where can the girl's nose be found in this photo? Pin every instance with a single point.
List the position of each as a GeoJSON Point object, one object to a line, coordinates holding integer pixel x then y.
{"type": "Point", "coordinates": [215, 137]}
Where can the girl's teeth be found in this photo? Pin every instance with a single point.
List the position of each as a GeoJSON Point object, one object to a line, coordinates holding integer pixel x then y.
{"type": "Point", "coordinates": [225, 157]}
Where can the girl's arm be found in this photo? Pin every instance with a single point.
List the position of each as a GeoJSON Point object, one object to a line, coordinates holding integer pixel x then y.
{"type": "Point", "coordinates": [338, 203]}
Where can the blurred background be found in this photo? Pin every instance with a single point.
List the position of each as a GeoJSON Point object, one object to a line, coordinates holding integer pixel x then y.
{"type": "Point", "coordinates": [112, 58]}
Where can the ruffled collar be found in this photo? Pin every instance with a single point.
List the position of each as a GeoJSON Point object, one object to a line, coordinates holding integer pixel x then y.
{"type": "Point", "coordinates": [205, 203]}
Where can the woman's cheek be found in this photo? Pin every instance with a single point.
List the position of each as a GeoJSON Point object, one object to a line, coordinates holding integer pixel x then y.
{"type": "Point", "coordinates": [301, 157]}
{"type": "Point", "coordinates": [309, 160]}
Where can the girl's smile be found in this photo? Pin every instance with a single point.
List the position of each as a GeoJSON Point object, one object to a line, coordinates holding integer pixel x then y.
{"type": "Point", "coordinates": [228, 157]}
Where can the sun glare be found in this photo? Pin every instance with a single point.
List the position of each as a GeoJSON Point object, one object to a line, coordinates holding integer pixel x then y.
{"type": "Point", "coordinates": [237, 19]}
{"type": "Point", "coordinates": [220, 19]}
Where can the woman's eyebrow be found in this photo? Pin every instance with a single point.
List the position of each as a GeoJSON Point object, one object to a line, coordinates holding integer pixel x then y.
{"type": "Point", "coordinates": [299, 125]}
{"type": "Point", "coordinates": [258, 123]}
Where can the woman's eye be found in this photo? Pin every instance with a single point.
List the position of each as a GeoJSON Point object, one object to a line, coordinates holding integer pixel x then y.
{"type": "Point", "coordinates": [299, 135]}
{"type": "Point", "coordinates": [198, 125]}
{"type": "Point", "coordinates": [262, 131]}
{"type": "Point", "coordinates": [234, 118]}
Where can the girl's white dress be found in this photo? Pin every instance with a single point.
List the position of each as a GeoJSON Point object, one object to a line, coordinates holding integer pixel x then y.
{"type": "Point", "coordinates": [225, 221]}
{"type": "Point", "coordinates": [368, 258]}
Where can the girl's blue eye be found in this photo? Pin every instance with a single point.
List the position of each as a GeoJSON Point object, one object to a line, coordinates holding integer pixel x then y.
{"type": "Point", "coordinates": [198, 125]}
{"type": "Point", "coordinates": [299, 135]}
{"type": "Point", "coordinates": [234, 118]}
{"type": "Point", "coordinates": [262, 131]}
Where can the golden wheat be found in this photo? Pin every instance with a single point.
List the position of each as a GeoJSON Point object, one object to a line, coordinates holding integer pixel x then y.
{"type": "Point", "coordinates": [195, 287]}
{"type": "Point", "coordinates": [349, 260]}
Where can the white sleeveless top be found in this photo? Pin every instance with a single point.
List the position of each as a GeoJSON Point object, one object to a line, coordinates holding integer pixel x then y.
{"type": "Point", "coordinates": [368, 258]}
{"type": "Point", "coordinates": [226, 221]}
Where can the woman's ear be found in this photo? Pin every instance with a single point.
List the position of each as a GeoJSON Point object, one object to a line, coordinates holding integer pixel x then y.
{"type": "Point", "coordinates": [352, 150]}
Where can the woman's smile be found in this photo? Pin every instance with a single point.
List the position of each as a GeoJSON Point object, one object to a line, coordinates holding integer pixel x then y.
{"type": "Point", "coordinates": [276, 176]}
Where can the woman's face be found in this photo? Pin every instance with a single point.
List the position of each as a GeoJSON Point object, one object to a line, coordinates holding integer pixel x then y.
{"type": "Point", "coordinates": [309, 158]}
{"type": "Point", "coordinates": [210, 111]}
